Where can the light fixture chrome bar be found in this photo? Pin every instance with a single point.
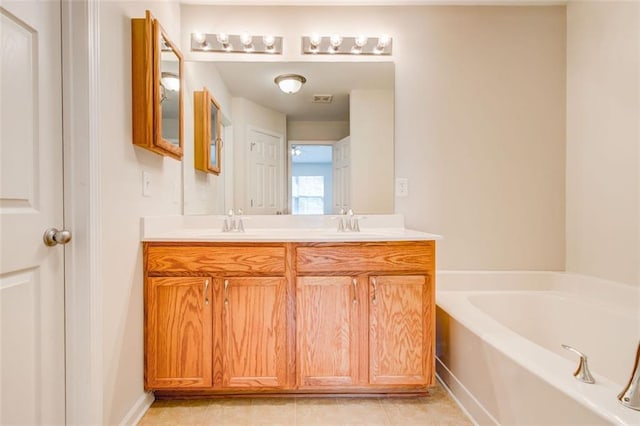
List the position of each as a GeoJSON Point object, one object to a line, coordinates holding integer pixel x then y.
{"type": "Point", "coordinates": [336, 45]}
{"type": "Point", "coordinates": [236, 43]}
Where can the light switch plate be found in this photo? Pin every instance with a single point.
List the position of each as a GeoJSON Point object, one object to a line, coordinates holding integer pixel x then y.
{"type": "Point", "coordinates": [402, 187]}
{"type": "Point", "coordinates": [146, 184]}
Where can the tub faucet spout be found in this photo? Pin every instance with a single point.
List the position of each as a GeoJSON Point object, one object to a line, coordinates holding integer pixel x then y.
{"type": "Point", "coordinates": [630, 396]}
{"type": "Point", "coordinates": [582, 373]}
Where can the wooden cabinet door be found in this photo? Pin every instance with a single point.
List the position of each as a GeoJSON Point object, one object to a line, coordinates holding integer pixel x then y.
{"type": "Point", "coordinates": [254, 328]}
{"type": "Point", "coordinates": [328, 338]}
{"type": "Point", "coordinates": [400, 330]}
{"type": "Point", "coordinates": [178, 332]}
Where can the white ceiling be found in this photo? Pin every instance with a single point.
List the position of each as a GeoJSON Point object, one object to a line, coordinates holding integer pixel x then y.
{"type": "Point", "coordinates": [254, 81]}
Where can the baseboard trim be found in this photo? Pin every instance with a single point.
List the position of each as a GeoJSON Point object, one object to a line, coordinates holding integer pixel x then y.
{"type": "Point", "coordinates": [465, 399]}
{"type": "Point", "coordinates": [139, 408]}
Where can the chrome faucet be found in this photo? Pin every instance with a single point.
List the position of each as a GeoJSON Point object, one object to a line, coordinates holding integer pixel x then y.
{"type": "Point", "coordinates": [347, 221]}
{"type": "Point", "coordinates": [233, 222]}
{"type": "Point", "coordinates": [582, 373]}
{"type": "Point", "coordinates": [630, 396]}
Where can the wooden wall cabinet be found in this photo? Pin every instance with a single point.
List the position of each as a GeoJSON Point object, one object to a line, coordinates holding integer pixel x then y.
{"type": "Point", "coordinates": [289, 317]}
{"type": "Point", "coordinates": [207, 132]}
{"type": "Point", "coordinates": [157, 88]}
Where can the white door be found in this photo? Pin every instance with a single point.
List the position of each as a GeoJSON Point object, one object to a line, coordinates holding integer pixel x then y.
{"type": "Point", "coordinates": [341, 175]}
{"type": "Point", "coordinates": [32, 365]}
{"type": "Point", "coordinates": [265, 187]}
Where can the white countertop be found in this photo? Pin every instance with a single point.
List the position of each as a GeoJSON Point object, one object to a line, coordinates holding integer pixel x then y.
{"type": "Point", "coordinates": [281, 228]}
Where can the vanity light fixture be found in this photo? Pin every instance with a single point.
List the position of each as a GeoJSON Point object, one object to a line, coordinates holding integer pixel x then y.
{"type": "Point", "coordinates": [295, 151]}
{"type": "Point", "coordinates": [290, 83]}
{"type": "Point", "coordinates": [236, 43]}
{"type": "Point", "coordinates": [336, 44]}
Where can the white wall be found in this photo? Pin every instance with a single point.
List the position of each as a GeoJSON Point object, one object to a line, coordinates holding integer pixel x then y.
{"type": "Point", "coordinates": [204, 193]}
{"type": "Point", "coordinates": [317, 130]}
{"type": "Point", "coordinates": [249, 114]}
{"type": "Point", "coordinates": [123, 205]}
{"type": "Point", "coordinates": [371, 131]}
{"type": "Point", "coordinates": [479, 117]}
{"type": "Point", "coordinates": [603, 119]}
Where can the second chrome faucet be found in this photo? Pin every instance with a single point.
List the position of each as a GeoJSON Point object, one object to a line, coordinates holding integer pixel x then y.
{"type": "Point", "coordinates": [233, 222]}
{"type": "Point", "coordinates": [348, 222]}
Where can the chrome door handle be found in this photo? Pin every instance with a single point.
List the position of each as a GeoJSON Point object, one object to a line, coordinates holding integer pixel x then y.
{"type": "Point", "coordinates": [53, 237]}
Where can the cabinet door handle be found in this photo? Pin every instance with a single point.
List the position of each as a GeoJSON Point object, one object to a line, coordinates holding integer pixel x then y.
{"type": "Point", "coordinates": [355, 290]}
{"type": "Point", "coordinates": [226, 292]}
{"type": "Point", "coordinates": [206, 292]}
{"type": "Point", "coordinates": [374, 284]}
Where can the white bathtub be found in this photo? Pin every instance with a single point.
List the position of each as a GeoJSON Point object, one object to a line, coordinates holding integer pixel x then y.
{"type": "Point", "coordinates": [498, 346]}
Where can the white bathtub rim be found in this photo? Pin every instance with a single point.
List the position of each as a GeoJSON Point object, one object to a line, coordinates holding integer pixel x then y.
{"type": "Point", "coordinates": [556, 371]}
{"type": "Point", "coordinates": [603, 292]}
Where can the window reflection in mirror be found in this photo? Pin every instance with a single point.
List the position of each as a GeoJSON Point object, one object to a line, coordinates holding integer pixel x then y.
{"type": "Point", "coordinates": [311, 178]}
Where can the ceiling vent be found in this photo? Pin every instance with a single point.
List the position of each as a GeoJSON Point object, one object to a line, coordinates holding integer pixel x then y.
{"type": "Point", "coordinates": [322, 99]}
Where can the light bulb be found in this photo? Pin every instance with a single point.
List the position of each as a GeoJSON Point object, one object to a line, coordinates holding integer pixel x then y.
{"type": "Point", "coordinates": [335, 40]}
{"type": "Point", "coordinates": [269, 41]}
{"type": "Point", "coordinates": [315, 40]}
{"type": "Point", "coordinates": [223, 38]}
{"type": "Point", "coordinates": [198, 37]}
{"type": "Point", "coordinates": [360, 41]}
{"type": "Point", "coordinates": [246, 39]}
{"type": "Point", "coordinates": [383, 41]}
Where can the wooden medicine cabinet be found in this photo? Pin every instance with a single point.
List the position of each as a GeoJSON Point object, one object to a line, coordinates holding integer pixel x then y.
{"type": "Point", "coordinates": [207, 132]}
{"type": "Point", "coordinates": [157, 88]}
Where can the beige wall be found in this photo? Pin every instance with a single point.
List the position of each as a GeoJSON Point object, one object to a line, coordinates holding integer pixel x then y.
{"type": "Point", "coordinates": [371, 156]}
{"type": "Point", "coordinates": [479, 117]}
{"type": "Point", "coordinates": [317, 130]}
{"type": "Point", "coordinates": [122, 203]}
{"type": "Point", "coordinates": [204, 193]}
{"type": "Point", "coordinates": [603, 119]}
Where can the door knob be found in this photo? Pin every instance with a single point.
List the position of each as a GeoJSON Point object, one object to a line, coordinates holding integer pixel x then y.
{"type": "Point", "coordinates": [53, 237]}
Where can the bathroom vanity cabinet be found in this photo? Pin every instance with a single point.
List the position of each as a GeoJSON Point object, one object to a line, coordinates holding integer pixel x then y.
{"type": "Point", "coordinates": [301, 318]}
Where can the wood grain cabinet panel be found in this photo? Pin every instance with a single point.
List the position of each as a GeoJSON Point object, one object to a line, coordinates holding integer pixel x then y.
{"type": "Point", "coordinates": [190, 259]}
{"type": "Point", "coordinates": [401, 330]}
{"type": "Point", "coordinates": [178, 333]}
{"type": "Point", "coordinates": [328, 337]}
{"type": "Point", "coordinates": [254, 331]}
{"type": "Point", "coordinates": [364, 257]}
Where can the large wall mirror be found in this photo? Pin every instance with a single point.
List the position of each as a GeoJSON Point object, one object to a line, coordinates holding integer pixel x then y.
{"type": "Point", "coordinates": [325, 148]}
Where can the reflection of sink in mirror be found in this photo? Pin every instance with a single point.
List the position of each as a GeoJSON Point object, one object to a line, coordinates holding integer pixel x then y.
{"type": "Point", "coordinates": [264, 128]}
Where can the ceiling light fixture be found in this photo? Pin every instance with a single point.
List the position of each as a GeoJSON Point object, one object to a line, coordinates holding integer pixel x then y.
{"type": "Point", "coordinates": [290, 83]}
{"type": "Point", "coordinates": [337, 44]}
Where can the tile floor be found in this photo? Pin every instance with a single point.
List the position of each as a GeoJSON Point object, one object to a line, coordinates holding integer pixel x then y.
{"type": "Point", "coordinates": [436, 409]}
